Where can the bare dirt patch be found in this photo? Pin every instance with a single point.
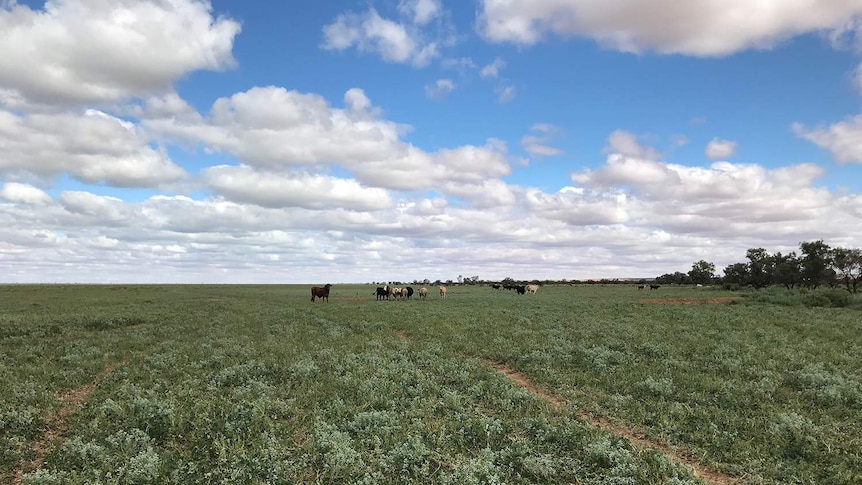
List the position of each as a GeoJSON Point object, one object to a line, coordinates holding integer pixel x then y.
{"type": "Point", "coordinates": [692, 301]}
{"type": "Point", "coordinates": [58, 422]}
{"type": "Point", "coordinates": [402, 334]}
{"type": "Point", "coordinates": [637, 438]}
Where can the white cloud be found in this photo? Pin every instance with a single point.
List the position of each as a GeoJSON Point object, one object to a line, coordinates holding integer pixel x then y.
{"type": "Point", "coordinates": [76, 51]}
{"type": "Point", "coordinates": [736, 191]}
{"type": "Point", "coordinates": [694, 27]}
{"type": "Point", "coordinates": [273, 129]}
{"type": "Point", "coordinates": [842, 139]}
{"type": "Point", "coordinates": [369, 32]}
{"type": "Point", "coordinates": [625, 143]}
{"type": "Point", "coordinates": [536, 143]}
{"type": "Point", "coordinates": [310, 191]}
{"type": "Point", "coordinates": [717, 148]}
{"type": "Point", "coordinates": [421, 11]}
{"type": "Point", "coordinates": [24, 193]}
{"type": "Point", "coordinates": [439, 89]}
{"type": "Point", "coordinates": [641, 219]}
{"type": "Point", "coordinates": [93, 147]}
{"type": "Point", "coordinates": [505, 94]}
{"type": "Point", "coordinates": [493, 69]}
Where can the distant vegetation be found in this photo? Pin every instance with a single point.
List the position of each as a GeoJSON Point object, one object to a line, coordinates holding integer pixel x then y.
{"type": "Point", "coordinates": [817, 266]}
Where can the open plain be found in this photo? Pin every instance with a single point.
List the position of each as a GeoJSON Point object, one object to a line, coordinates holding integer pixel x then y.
{"type": "Point", "coordinates": [574, 384]}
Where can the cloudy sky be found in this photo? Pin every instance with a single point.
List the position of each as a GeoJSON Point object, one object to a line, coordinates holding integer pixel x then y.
{"type": "Point", "coordinates": [304, 141]}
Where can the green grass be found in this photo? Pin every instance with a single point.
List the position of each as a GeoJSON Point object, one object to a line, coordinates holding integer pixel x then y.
{"type": "Point", "coordinates": [255, 384]}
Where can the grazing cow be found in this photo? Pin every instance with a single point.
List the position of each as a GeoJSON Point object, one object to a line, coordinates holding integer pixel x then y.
{"type": "Point", "coordinates": [640, 287]}
{"type": "Point", "coordinates": [409, 290]}
{"type": "Point", "coordinates": [521, 289]}
{"type": "Point", "coordinates": [496, 286]}
{"type": "Point", "coordinates": [510, 287]}
{"type": "Point", "coordinates": [320, 292]}
{"type": "Point", "coordinates": [532, 289]}
{"type": "Point", "coordinates": [405, 293]}
{"type": "Point", "coordinates": [390, 291]}
{"type": "Point", "coordinates": [423, 293]}
{"type": "Point", "coordinates": [382, 293]}
{"type": "Point", "coordinates": [654, 287]}
{"type": "Point", "coordinates": [442, 291]}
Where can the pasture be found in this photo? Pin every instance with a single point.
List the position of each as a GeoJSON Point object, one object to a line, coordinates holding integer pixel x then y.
{"type": "Point", "coordinates": [573, 384]}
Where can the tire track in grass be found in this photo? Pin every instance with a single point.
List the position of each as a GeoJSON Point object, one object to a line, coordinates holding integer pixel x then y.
{"type": "Point", "coordinates": [58, 423]}
{"type": "Point", "coordinates": [637, 438]}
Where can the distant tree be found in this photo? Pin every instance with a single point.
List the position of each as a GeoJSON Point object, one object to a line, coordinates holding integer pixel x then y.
{"type": "Point", "coordinates": [736, 274]}
{"type": "Point", "coordinates": [787, 269]}
{"type": "Point", "coordinates": [815, 263]}
{"type": "Point", "coordinates": [760, 268]}
{"type": "Point", "coordinates": [677, 278]}
{"type": "Point", "coordinates": [702, 272]}
{"type": "Point", "coordinates": [848, 266]}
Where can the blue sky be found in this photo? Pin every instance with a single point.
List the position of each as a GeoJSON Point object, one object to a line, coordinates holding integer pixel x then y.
{"type": "Point", "coordinates": [406, 139]}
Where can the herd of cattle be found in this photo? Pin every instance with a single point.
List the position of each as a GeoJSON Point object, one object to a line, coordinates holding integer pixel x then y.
{"type": "Point", "coordinates": [395, 293]}
{"type": "Point", "coordinates": [392, 292]}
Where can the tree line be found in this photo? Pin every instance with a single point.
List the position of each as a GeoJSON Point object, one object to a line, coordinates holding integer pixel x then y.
{"type": "Point", "coordinates": [816, 265]}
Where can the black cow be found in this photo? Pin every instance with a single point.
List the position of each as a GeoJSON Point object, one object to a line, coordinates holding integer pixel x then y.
{"type": "Point", "coordinates": [496, 286]}
{"type": "Point", "coordinates": [640, 287]}
{"type": "Point", "coordinates": [409, 292]}
{"type": "Point", "coordinates": [654, 287]}
{"type": "Point", "coordinates": [521, 289]}
{"type": "Point", "coordinates": [382, 293]}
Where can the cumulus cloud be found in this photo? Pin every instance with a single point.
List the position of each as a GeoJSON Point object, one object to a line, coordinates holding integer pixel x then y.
{"type": "Point", "coordinates": [493, 69]}
{"type": "Point", "coordinates": [393, 41]}
{"type": "Point", "coordinates": [439, 89]}
{"type": "Point", "coordinates": [293, 189]}
{"type": "Point", "coordinates": [274, 129]}
{"type": "Point", "coordinates": [717, 148]}
{"type": "Point", "coordinates": [76, 51]}
{"type": "Point", "coordinates": [536, 143]}
{"type": "Point", "coordinates": [630, 217]}
{"type": "Point", "coordinates": [696, 27]}
{"type": "Point", "coordinates": [24, 193]}
{"type": "Point", "coordinates": [626, 143]}
{"type": "Point", "coordinates": [842, 139]}
{"type": "Point", "coordinates": [92, 146]}
{"type": "Point", "coordinates": [420, 11]}
{"type": "Point", "coordinates": [733, 191]}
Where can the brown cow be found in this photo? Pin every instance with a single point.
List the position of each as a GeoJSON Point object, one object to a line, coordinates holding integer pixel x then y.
{"type": "Point", "coordinates": [423, 293]}
{"type": "Point", "coordinates": [442, 291]}
{"type": "Point", "coordinates": [320, 292]}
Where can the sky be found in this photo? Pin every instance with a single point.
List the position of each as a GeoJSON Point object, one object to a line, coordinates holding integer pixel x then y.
{"type": "Point", "coordinates": [186, 141]}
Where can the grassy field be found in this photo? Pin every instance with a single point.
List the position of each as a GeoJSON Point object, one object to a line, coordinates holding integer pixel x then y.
{"type": "Point", "coordinates": [576, 384]}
